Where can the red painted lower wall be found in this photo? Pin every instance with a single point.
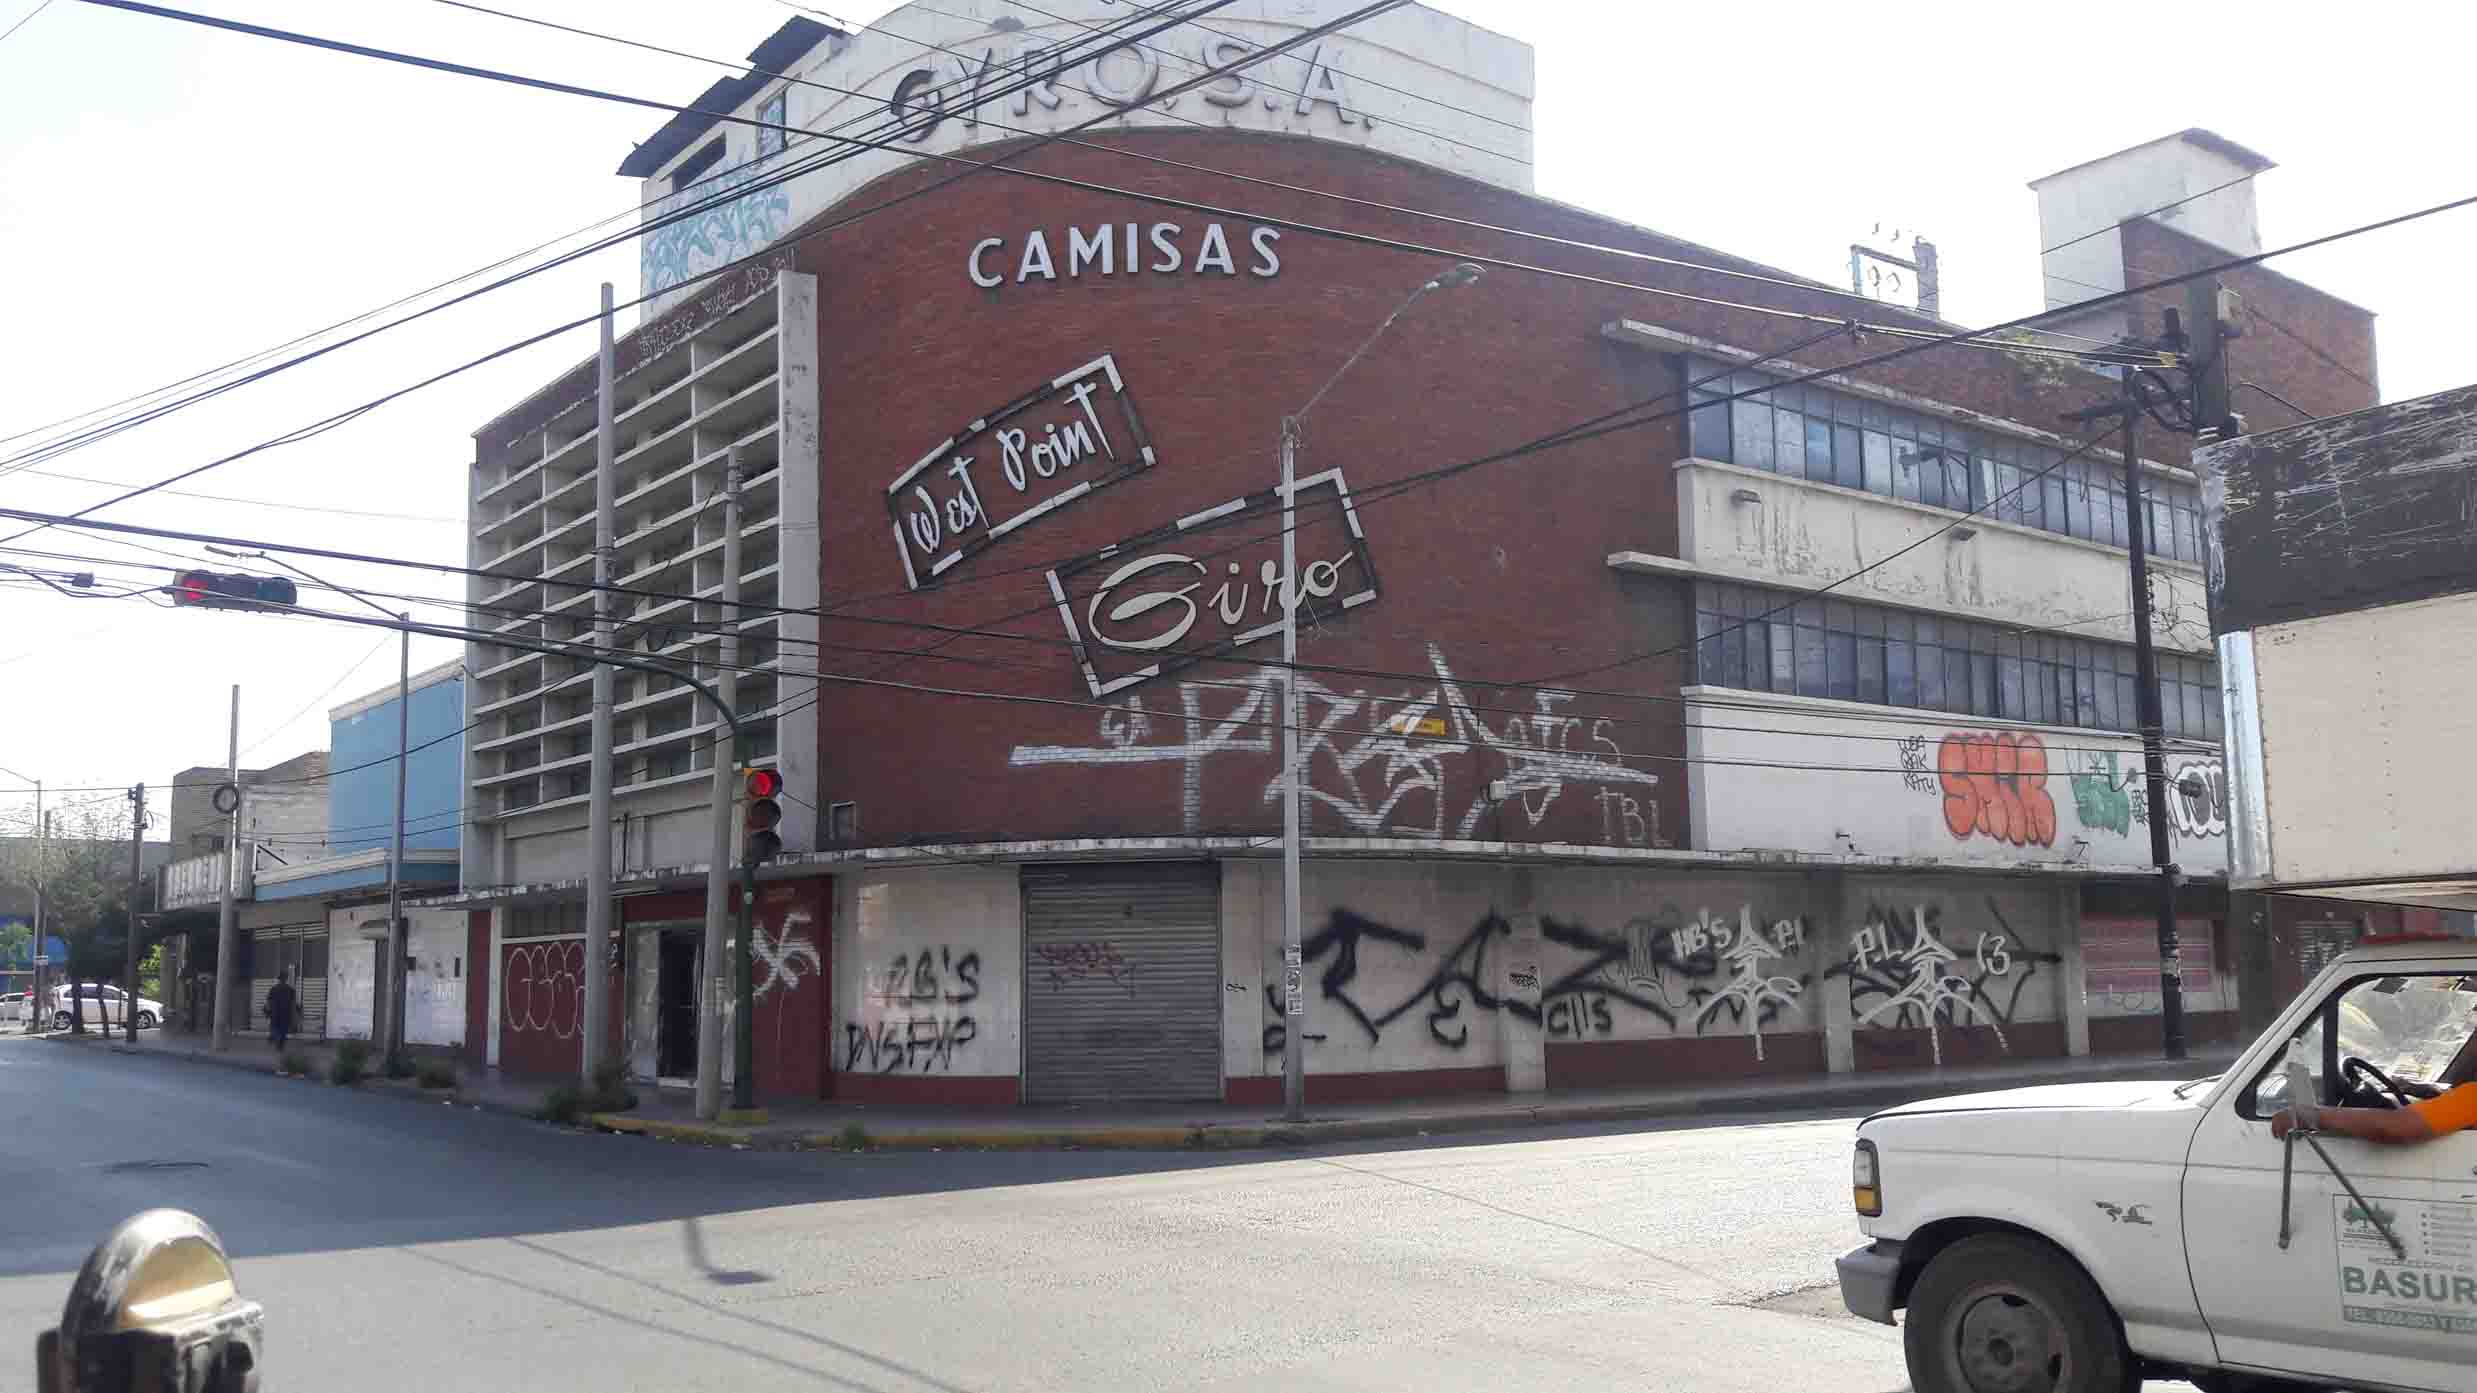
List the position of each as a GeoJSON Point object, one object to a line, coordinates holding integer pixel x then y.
{"type": "Point", "coordinates": [1679, 1062]}
{"type": "Point", "coordinates": [942, 1090]}
{"type": "Point", "coordinates": [2140, 1034]}
{"type": "Point", "coordinates": [1263, 1091]}
{"type": "Point", "coordinates": [1963, 1044]}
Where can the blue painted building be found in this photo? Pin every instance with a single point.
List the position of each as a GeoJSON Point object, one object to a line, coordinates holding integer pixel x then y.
{"type": "Point", "coordinates": [321, 916]}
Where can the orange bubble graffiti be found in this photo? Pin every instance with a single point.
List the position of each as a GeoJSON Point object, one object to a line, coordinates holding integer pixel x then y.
{"type": "Point", "coordinates": [1996, 786]}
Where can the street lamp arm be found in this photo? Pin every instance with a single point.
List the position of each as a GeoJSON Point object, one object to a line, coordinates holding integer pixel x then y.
{"type": "Point", "coordinates": [1459, 275]}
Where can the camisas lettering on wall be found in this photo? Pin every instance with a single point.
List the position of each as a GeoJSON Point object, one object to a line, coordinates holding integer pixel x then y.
{"type": "Point", "coordinates": [1124, 249]}
{"type": "Point", "coordinates": [1040, 452]}
{"type": "Point", "coordinates": [1211, 583]}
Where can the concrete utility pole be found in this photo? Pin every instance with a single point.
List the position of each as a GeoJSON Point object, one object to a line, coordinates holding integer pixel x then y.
{"type": "Point", "coordinates": [718, 873]}
{"type": "Point", "coordinates": [1294, 994]}
{"type": "Point", "coordinates": [137, 877]}
{"type": "Point", "coordinates": [397, 947]}
{"type": "Point", "coordinates": [598, 771]}
{"type": "Point", "coordinates": [227, 929]}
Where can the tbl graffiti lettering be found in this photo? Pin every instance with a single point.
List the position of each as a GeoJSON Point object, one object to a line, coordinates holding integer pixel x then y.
{"type": "Point", "coordinates": [1078, 962]}
{"type": "Point", "coordinates": [1922, 981]}
{"type": "Point", "coordinates": [1368, 762]}
{"type": "Point", "coordinates": [920, 1029]}
{"type": "Point", "coordinates": [1995, 786]}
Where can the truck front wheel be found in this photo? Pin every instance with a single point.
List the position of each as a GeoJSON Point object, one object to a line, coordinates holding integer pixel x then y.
{"type": "Point", "coordinates": [2001, 1313]}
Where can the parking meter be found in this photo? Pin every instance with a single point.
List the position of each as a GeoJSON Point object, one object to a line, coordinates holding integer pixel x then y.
{"type": "Point", "coordinates": [154, 1310]}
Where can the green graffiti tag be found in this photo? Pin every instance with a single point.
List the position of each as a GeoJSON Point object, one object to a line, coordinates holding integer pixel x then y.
{"type": "Point", "coordinates": [2099, 796]}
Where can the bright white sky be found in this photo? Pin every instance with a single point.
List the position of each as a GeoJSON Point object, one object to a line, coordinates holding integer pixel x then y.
{"type": "Point", "coordinates": [177, 197]}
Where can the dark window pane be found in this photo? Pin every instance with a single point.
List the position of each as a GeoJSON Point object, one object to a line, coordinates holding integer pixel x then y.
{"type": "Point", "coordinates": [2128, 711]}
{"type": "Point", "coordinates": [1982, 684]}
{"type": "Point", "coordinates": [2213, 713]}
{"type": "Point", "coordinates": [1871, 670]}
{"type": "Point", "coordinates": [1819, 449]}
{"type": "Point", "coordinates": [1930, 481]}
{"type": "Point", "coordinates": [1848, 459]}
{"type": "Point", "coordinates": [2076, 502]}
{"type": "Point", "coordinates": [1811, 672]}
{"type": "Point", "coordinates": [1906, 469]}
{"type": "Point", "coordinates": [1839, 617]}
{"type": "Point", "coordinates": [2116, 535]}
{"type": "Point", "coordinates": [1930, 630]}
{"type": "Point", "coordinates": [1870, 621]}
{"type": "Point", "coordinates": [1878, 450]}
{"type": "Point", "coordinates": [1898, 625]}
{"type": "Point", "coordinates": [1708, 658]}
{"type": "Point", "coordinates": [1930, 661]}
{"type": "Point", "coordinates": [1810, 614]}
{"type": "Point", "coordinates": [1784, 666]}
{"type": "Point", "coordinates": [2086, 699]}
{"type": "Point", "coordinates": [1758, 655]}
{"type": "Point", "coordinates": [2005, 502]}
{"type": "Point", "coordinates": [1707, 430]}
{"type": "Point", "coordinates": [1957, 494]}
{"type": "Point", "coordinates": [1841, 655]}
{"type": "Point", "coordinates": [1733, 656]}
{"type": "Point", "coordinates": [2011, 701]}
{"type": "Point", "coordinates": [1750, 430]}
{"type": "Point", "coordinates": [1789, 441]}
{"type": "Point", "coordinates": [1900, 674]}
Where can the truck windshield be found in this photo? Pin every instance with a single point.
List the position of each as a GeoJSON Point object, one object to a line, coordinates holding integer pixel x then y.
{"type": "Point", "coordinates": [2411, 1027]}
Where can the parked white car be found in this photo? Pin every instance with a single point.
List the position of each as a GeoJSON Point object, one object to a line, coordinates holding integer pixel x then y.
{"type": "Point", "coordinates": [104, 1004]}
{"type": "Point", "coordinates": [2076, 1238]}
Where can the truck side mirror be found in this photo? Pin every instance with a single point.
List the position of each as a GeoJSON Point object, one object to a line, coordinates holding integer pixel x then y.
{"type": "Point", "coordinates": [153, 1309]}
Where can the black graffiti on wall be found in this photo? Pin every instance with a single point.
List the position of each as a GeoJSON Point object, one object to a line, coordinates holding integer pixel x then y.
{"type": "Point", "coordinates": [918, 1044]}
{"type": "Point", "coordinates": [918, 977]}
{"type": "Point", "coordinates": [919, 1029]}
{"type": "Point", "coordinates": [1669, 967]}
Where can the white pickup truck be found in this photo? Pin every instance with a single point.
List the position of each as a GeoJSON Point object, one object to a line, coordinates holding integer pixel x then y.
{"type": "Point", "coordinates": [2083, 1237]}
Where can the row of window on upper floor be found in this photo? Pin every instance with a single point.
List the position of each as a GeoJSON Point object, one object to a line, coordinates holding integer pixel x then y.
{"type": "Point", "coordinates": [1832, 437]}
{"type": "Point", "coordinates": [1774, 641]}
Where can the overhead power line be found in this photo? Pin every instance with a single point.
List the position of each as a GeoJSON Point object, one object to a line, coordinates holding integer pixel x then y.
{"type": "Point", "coordinates": [792, 169]}
{"type": "Point", "coordinates": [583, 651]}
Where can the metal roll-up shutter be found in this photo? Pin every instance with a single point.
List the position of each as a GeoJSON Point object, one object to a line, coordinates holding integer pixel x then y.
{"type": "Point", "coordinates": [1122, 983]}
{"type": "Point", "coordinates": [309, 976]}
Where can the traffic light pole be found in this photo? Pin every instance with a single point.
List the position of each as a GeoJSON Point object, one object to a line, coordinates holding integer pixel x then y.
{"type": "Point", "coordinates": [713, 984]}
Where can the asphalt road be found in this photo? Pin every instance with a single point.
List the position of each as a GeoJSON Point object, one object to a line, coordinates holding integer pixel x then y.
{"type": "Point", "coordinates": [400, 1245]}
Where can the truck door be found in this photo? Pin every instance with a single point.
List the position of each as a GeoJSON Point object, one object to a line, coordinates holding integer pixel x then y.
{"type": "Point", "coordinates": [2337, 1303]}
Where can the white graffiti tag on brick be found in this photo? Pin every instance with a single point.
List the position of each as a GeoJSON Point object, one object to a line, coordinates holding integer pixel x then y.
{"type": "Point", "coordinates": [1750, 990]}
{"type": "Point", "coordinates": [1414, 763]}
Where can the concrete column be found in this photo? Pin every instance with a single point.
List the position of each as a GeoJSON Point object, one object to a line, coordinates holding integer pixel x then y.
{"type": "Point", "coordinates": [2072, 983]}
{"type": "Point", "coordinates": [1526, 1046]}
{"type": "Point", "coordinates": [1835, 905]}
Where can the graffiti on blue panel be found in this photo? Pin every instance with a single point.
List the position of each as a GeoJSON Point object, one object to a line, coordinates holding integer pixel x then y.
{"type": "Point", "coordinates": [722, 230]}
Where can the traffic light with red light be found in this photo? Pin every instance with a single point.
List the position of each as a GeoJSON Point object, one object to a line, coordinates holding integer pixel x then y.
{"type": "Point", "coordinates": [759, 841]}
{"type": "Point", "coordinates": [216, 590]}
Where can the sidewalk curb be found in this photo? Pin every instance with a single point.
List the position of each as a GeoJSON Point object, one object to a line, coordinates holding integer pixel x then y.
{"type": "Point", "coordinates": [373, 1085]}
{"type": "Point", "coordinates": [1211, 1136]}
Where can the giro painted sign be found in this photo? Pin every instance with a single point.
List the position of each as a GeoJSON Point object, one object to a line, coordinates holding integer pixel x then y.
{"type": "Point", "coordinates": [1211, 583]}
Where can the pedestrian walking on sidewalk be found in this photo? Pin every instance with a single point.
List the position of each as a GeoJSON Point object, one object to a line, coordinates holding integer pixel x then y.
{"type": "Point", "coordinates": [279, 1010]}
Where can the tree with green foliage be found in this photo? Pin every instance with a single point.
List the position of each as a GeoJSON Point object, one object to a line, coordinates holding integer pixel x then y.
{"type": "Point", "coordinates": [83, 870]}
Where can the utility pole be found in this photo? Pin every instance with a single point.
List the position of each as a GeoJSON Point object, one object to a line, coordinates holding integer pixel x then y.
{"type": "Point", "coordinates": [598, 770]}
{"type": "Point", "coordinates": [718, 873]}
{"type": "Point", "coordinates": [1294, 992]}
{"type": "Point", "coordinates": [227, 930]}
{"type": "Point", "coordinates": [137, 875]}
{"type": "Point", "coordinates": [2154, 757]}
{"type": "Point", "coordinates": [397, 947]}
